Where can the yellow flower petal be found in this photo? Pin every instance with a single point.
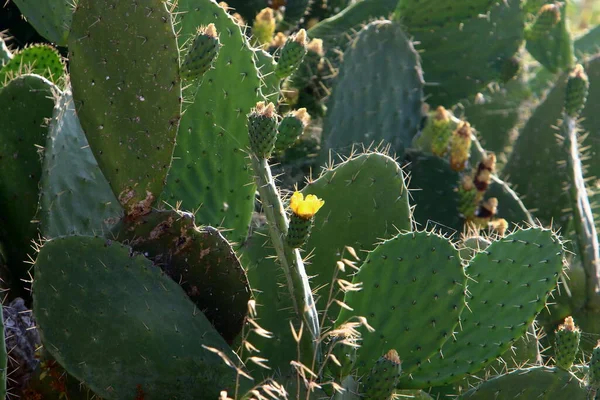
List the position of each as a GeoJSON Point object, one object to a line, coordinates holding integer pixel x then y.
{"type": "Point", "coordinates": [305, 208]}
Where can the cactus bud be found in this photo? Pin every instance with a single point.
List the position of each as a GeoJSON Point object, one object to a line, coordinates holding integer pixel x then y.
{"type": "Point", "coordinates": [290, 128]}
{"type": "Point", "coordinates": [567, 343]}
{"type": "Point", "coordinates": [263, 28]}
{"type": "Point", "coordinates": [292, 54]}
{"type": "Point", "coordinates": [483, 175]}
{"type": "Point", "coordinates": [442, 131]}
{"type": "Point", "coordinates": [202, 53]}
{"type": "Point", "coordinates": [488, 208]}
{"type": "Point", "coordinates": [547, 18]}
{"type": "Point", "coordinates": [262, 129]}
{"type": "Point", "coordinates": [315, 46]}
{"type": "Point", "coordinates": [467, 197]}
{"type": "Point", "coordinates": [577, 91]}
{"type": "Point", "coordinates": [384, 377]}
{"type": "Point", "coordinates": [301, 220]}
{"type": "Point", "coordinates": [498, 226]}
{"type": "Point", "coordinates": [460, 146]}
{"type": "Point", "coordinates": [279, 40]}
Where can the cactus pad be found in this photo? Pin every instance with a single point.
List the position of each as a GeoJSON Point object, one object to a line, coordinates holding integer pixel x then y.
{"type": "Point", "coordinates": [527, 263]}
{"type": "Point", "coordinates": [51, 18]}
{"type": "Point", "coordinates": [422, 280]}
{"type": "Point", "coordinates": [125, 76]}
{"type": "Point", "coordinates": [41, 59]}
{"type": "Point", "coordinates": [366, 201]}
{"type": "Point", "coordinates": [102, 310]}
{"type": "Point", "coordinates": [485, 47]}
{"type": "Point", "coordinates": [75, 196]}
{"type": "Point", "coordinates": [210, 173]}
{"type": "Point", "coordinates": [542, 383]}
{"type": "Point", "coordinates": [26, 102]}
{"type": "Point", "coordinates": [199, 259]}
{"type": "Point", "coordinates": [378, 94]}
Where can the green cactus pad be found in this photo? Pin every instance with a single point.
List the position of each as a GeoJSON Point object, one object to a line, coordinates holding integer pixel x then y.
{"type": "Point", "coordinates": [383, 378]}
{"type": "Point", "coordinates": [532, 168]}
{"type": "Point", "coordinates": [75, 196]}
{"type": "Point", "coordinates": [292, 54]}
{"type": "Point", "coordinates": [126, 87]}
{"type": "Point", "coordinates": [295, 10]}
{"type": "Point", "coordinates": [40, 59]}
{"type": "Point", "coordinates": [50, 18]}
{"type": "Point", "coordinates": [431, 180]}
{"type": "Point", "coordinates": [588, 43]}
{"type": "Point", "coordinates": [115, 322]}
{"type": "Point", "coordinates": [199, 259]}
{"type": "Point", "coordinates": [496, 117]}
{"type": "Point", "coordinates": [366, 200]}
{"type": "Point", "coordinates": [527, 263]}
{"type": "Point", "coordinates": [378, 93]}
{"type": "Point", "coordinates": [554, 47]}
{"type": "Point", "coordinates": [421, 278]}
{"type": "Point", "coordinates": [210, 173]}
{"type": "Point", "coordinates": [334, 30]}
{"type": "Point", "coordinates": [484, 45]}
{"type": "Point", "coordinates": [542, 383]}
{"type": "Point", "coordinates": [26, 102]}
{"type": "Point", "coordinates": [433, 13]}
{"type": "Point", "coordinates": [201, 54]}
{"type": "Point", "coordinates": [594, 372]}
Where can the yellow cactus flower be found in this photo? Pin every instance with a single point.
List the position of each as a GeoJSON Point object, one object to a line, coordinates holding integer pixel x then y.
{"type": "Point", "coordinates": [305, 207]}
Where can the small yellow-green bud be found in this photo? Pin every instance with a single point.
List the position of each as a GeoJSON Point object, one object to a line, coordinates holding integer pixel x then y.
{"type": "Point", "coordinates": [460, 146]}
{"type": "Point", "coordinates": [263, 28]}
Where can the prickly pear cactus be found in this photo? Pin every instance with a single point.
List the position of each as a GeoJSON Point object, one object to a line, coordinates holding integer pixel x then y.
{"type": "Point", "coordinates": [422, 279]}
{"type": "Point", "coordinates": [128, 317]}
{"type": "Point", "coordinates": [380, 81]}
{"type": "Point", "coordinates": [75, 196]}
{"type": "Point", "coordinates": [126, 87]}
{"type": "Point", "coordinates": [42, 60]}
{"type": "Point", "coordinates": [527, 262]}
{"type": "Point", "coordinates": [209, 174]}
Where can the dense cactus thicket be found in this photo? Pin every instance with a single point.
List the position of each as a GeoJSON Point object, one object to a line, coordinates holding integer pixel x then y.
{"type": "Point", "coordinates": [297, 199]}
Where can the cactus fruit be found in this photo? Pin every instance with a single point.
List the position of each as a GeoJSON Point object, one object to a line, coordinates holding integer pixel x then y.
{"type": "Point", "coordinates": [467, 196]}
{"type": "Point", "coordinates": [293, 52]}
{"type": "Point", "coordinates": [547, 18]}
{"type": "Point", "coordinates": [442, 132]}
{"type": "Point", "coordinates": [290, 128]}
{"type": "Point", "coordinates": [577, 91]}
{"type": "Point", "coordinates": [460, 146]}
{"type": "Point", "coordinates": [262, 128]}
{"type": "Point", "coordinates": [302, 218]}
{"type": "Point", "coordinates": [202, 53]}
{"type": "Point", "coordinates": [567, 343]}
{"type": "Point", "coordinates": [383, 378]}
{"type": "Point", "coordinates": [263, 27]}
